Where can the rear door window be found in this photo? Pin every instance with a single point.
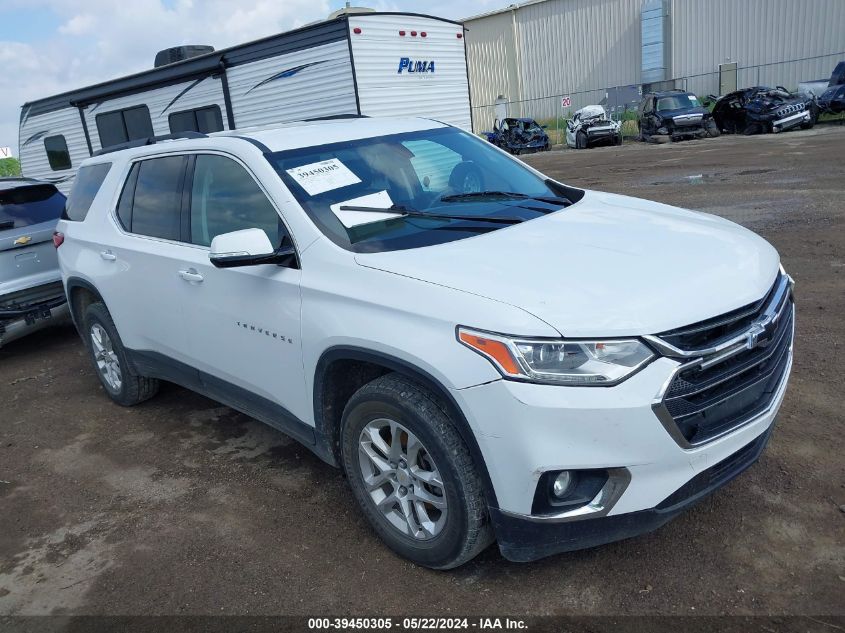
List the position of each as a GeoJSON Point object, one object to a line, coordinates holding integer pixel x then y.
{"type": "Point", "coordinates": [88, 181]}
{"type": "Point", "coordinates": [157, 203]}
{"type": "Point", "coordinates": [29, 205]}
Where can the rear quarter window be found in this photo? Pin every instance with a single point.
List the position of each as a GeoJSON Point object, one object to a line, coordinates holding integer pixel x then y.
{"type": "Point", "coordinates": [28, 205]}
{"type": "Point", "coordinates": [88, 181]}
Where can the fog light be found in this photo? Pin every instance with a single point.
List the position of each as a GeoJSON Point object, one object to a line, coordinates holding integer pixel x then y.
{"type": "Point", "coordinates": [561, 484]}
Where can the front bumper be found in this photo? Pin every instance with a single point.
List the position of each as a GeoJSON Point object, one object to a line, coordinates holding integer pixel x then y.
{"type": "Point", "coordinates": [524, 430]}
{"type": "Point", "coordinates": [791, 121]}
{"type": "Point", "coordinates": [522, 540]}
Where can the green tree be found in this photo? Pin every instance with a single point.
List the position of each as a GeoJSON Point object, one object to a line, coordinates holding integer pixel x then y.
{"type": "Point", "coordinates": [10, 167]}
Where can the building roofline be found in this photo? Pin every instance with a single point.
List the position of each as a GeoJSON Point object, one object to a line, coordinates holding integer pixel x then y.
{"type": "Point", "coordinates": [511, 7]}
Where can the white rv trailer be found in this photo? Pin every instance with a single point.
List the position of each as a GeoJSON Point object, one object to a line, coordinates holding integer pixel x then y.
{"type": "Point", "coordinates": [372, 64]}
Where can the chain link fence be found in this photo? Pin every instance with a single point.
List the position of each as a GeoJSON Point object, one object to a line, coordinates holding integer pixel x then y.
{"type": "Point", "coordinates": [621, 102]}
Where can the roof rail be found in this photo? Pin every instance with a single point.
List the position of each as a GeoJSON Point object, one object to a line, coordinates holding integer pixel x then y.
{"type": "Point", "coordinates": [150, 140]}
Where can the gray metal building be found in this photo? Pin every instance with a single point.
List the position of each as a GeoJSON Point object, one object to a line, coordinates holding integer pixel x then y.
{"type": "Point", "coordinates": [527, 57]}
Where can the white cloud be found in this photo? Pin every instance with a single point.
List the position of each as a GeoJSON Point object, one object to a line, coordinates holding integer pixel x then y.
{"type": "Point", "coordinates": [102, 39]}
{"type": "Point", "coordinates": [78, 25]}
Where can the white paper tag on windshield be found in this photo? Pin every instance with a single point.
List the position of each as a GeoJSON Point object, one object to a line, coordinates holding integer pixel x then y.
{"type": "Point", "coordinates": [326, 175]}
{"type": "Point", "coordinates": [378, 200]}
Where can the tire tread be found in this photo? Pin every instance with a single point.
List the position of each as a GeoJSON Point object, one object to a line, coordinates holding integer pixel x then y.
{"type": "Point", "coordinates": [479, 534]}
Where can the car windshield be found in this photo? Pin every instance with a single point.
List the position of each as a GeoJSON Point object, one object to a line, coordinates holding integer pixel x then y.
{"type": "Point", "coordinates": [442, 172]}
{"type": "Point", "coordinates": [28, 205]}
{"type": "Point", "coordinates": [677, 102]}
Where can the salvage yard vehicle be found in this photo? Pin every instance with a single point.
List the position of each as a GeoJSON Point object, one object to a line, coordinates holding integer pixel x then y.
{"type": "Point", "coordinates": [519, 136]}
{"type": "Point", "coordinates": [32, 296]}
{"type": "Point", "coordinates": [591, 126]}
{"type": "Point", "coordinates": [832, 100]}
{"type": "Point", "coordinates": [673, 115]}
{"type": "Point", "coordinates": [389, 293]}
{"type": "Point", "coordinates": [820, 86]}
{"type": "Point", "coordinates": [759, 110]}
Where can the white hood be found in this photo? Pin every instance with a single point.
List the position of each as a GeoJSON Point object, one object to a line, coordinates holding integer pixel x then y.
{"type": "Point", "coordinates": [607, 266]}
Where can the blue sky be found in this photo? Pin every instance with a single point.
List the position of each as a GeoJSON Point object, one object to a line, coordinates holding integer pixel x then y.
{"type": "Point", "coordinates": [50, 46]}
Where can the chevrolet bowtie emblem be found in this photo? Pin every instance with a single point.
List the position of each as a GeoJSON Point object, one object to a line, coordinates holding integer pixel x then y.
{"type": "Point", "coordinates": [23, 240]}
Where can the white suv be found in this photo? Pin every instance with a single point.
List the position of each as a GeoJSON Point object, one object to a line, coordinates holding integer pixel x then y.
{"type": "Point", "coordinates": [487, 353]}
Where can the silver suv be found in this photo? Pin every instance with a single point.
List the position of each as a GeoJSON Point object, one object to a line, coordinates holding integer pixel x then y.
{"type": "Point", "coordinates": [31, 292]}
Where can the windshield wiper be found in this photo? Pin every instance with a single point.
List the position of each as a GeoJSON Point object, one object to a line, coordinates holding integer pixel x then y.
{"type": "Point", "coordinates": [405, 212]}
{"type": "Point", "coordinates": [510, 195]}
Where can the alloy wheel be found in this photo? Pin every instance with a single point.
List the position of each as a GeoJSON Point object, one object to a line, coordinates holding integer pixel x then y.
{"type": "Point", "coordinates": [105, 357]}
{"type": "Point", "coordinates": [402, 479]}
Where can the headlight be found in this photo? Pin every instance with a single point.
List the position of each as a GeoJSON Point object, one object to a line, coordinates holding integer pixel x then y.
{"type": "Point", "coordinates": [558, 362]}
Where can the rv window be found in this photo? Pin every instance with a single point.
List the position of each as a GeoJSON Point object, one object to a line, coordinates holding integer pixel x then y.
{"type": "Point", "coordinates": [205, 120]}
{"type": "Point", "coordinates": [121, 126]}
{"type": "Point", "coordinates": [88, 181]}
{"type": "Point", "coordinates": [157, 203]}
{"type": "Point", "coordinates": [57, 154]}
{"type": "Point", "coordinates": [225, 198]}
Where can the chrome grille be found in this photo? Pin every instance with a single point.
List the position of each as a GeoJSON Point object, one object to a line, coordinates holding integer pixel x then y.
{"type": "Point", "coordinates": [737, 373]}
{"type": "Point", "coordinates": [790, 109]}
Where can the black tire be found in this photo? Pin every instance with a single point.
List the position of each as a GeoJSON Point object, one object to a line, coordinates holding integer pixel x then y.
{"type": "Point", "coordinates": [711, 128]}
{"type": "Point", "coordinates": [133, 389]}
{"type": "Point", "coordinates": [581, 140]}
{"type": "Point", "coordinates": [466, 530]}
{"type": "Point", "coordinates": [752, 128]}
{"type": "Point", "coordinates": [660, 139]}
{"type": "Point", "coordinates": [617, 140]}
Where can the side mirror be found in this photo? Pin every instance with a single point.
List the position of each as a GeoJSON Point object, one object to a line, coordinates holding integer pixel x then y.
{"type": "Point", "coordinates": [545, 127]}
{"type": "Point", "coordinates": [496, 125]}
{"type": "Point", "coordinates": [249, 247]}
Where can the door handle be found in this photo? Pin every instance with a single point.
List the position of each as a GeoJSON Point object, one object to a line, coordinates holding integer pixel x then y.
{"type": "Point", "coordinates": [108, 256]}
{"type": "Point", "coordinates": [191, 275]}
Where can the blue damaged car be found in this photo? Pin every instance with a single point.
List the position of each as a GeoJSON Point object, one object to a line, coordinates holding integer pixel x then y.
{"type": "Point", "coordinates": [519, 136]}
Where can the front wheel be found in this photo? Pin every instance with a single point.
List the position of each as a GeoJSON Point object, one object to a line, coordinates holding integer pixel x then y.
{"type": "Point", "coordinates": [581, 140]}
{"type": "Point", "coordinates": [711, 129]}
{"type": "Point", "coordinates": [412, 474]}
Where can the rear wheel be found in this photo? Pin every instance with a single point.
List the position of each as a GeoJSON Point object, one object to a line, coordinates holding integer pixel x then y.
{"type": "Point", "coordinates": [110, 360]}
{"type": "Point", "coordinates": [412, 474]}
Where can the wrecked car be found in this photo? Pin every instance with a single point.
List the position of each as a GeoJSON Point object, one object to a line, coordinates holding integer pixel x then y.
{"type": "Point", "coordinates": [518, 136]}
{"type": "Point", "coordinates": [31, 293]}
{"type": "Point", "coordinates": [759, 110]}
{"type": "Point", "coordinates": [673, 115]}
{"type": "Point", "coordinates": [832, 100]}
{"type": "Point", "coordinates": [591, 126]}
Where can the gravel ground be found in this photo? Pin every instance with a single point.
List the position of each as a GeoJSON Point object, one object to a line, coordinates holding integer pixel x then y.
{"type": "Point", "coordinates": [181, 506]}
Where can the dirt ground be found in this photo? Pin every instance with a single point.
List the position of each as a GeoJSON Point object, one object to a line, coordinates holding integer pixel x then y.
{"type": "Point", "coordinates": [181, 506]}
